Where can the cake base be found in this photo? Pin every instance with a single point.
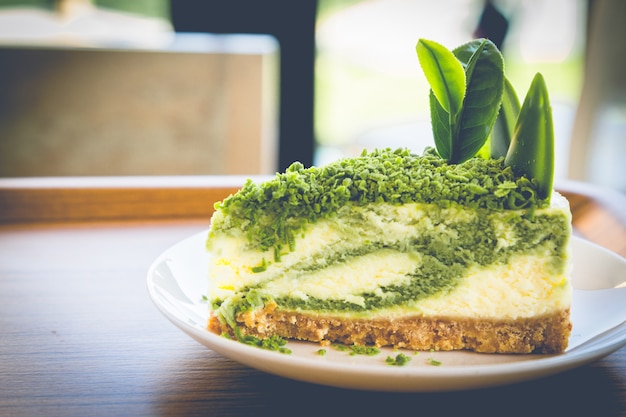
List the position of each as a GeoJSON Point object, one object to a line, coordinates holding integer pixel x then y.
{"type": "Point", "coordinates": [546, 334]}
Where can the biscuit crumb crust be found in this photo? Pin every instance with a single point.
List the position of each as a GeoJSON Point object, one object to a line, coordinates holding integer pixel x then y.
{"type": "Point", "coordinates": [547, 334]}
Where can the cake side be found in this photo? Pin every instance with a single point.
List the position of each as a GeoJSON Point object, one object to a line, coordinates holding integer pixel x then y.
{"type": "Point", "coordinates": [404, 255]}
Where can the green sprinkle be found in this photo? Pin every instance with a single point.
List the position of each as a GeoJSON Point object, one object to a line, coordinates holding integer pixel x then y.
{"type": "Point", "coordinates": [261, 267]}
{"type": "Point", "coordinates": [341, 348]}
{"type": "Point", "coordinates": [364, 350]}
{"type": "Point", "coordinates": [357, 349]}
{"type": "Point", "coordinates": [433, 362]}
{"type": "Point", "coordinates": [274, 343]}
{"type": "Point", "coordinates": [321, 352]}
{"type": "Point", "coordinates": [400, 360]}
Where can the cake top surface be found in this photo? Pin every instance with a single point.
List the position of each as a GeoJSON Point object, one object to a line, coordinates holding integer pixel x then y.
{"type": "Point", "coordinates": [301, 195]}
{"type": "Point", "coordinates": [391, 176]}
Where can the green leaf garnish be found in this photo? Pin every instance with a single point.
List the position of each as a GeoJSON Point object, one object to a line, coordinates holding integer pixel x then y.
{"type": "Point", "coordinates": [444, 73]}
{"type": "Point", "coordinates": [505, 123]}
{"type": "Point", "coordinates": [459, 133]}
{"type": "Point", "coordinates": [442, 128]}
{"type": "Point", "coordinates": [489, 121]}
{"type": "Point", "coordinates": [484, 69]}
{"type": "Point", "coordinates": [446, 77]}
{"type": "Point", "coordinates": [531, 152]}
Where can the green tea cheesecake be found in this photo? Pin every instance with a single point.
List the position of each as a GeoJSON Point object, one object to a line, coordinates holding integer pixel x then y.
{"type": "Point", "coordinates": [442, 250]}
{"type": "Point", "coordinates": [394, 249]}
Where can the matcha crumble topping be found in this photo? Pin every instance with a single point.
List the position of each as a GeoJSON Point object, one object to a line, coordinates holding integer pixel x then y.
{"type": "Point", "coordinates": [272, 213]}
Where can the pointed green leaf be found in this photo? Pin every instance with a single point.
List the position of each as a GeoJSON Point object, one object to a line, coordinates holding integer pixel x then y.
{"type": "Point", "coordinates": [440, 121]}
{"type": "Point", "coordinates": [484, 72]}
{"type": "Point", "coordinates": [444, 74]}
{"type": "Point", "coordinates": [505, 123]}
{"type": "Point", "coordinates": [531, 152]}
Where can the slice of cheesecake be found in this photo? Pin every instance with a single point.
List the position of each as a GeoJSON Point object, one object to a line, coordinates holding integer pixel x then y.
{"type": "Point", "coordinates": [394, 249]}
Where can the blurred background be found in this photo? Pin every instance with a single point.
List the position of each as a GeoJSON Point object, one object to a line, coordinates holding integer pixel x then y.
{"type": "Point", "coordinates": [184, 87]}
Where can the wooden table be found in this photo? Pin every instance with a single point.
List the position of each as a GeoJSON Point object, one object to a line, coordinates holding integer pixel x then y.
{"type": "Point", "coordinates": [80, 337]}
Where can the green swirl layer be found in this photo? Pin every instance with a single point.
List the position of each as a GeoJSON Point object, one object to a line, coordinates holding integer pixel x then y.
{"type": "Point", "coordinates": [446, 249]}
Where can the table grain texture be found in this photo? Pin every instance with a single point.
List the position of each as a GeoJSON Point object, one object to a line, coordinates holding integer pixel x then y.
{"type": "Point", "coordinates": [79, 335]}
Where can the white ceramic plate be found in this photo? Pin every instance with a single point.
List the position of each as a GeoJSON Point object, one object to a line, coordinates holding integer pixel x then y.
{"type": "Point", "coordinates": [177, 281]}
